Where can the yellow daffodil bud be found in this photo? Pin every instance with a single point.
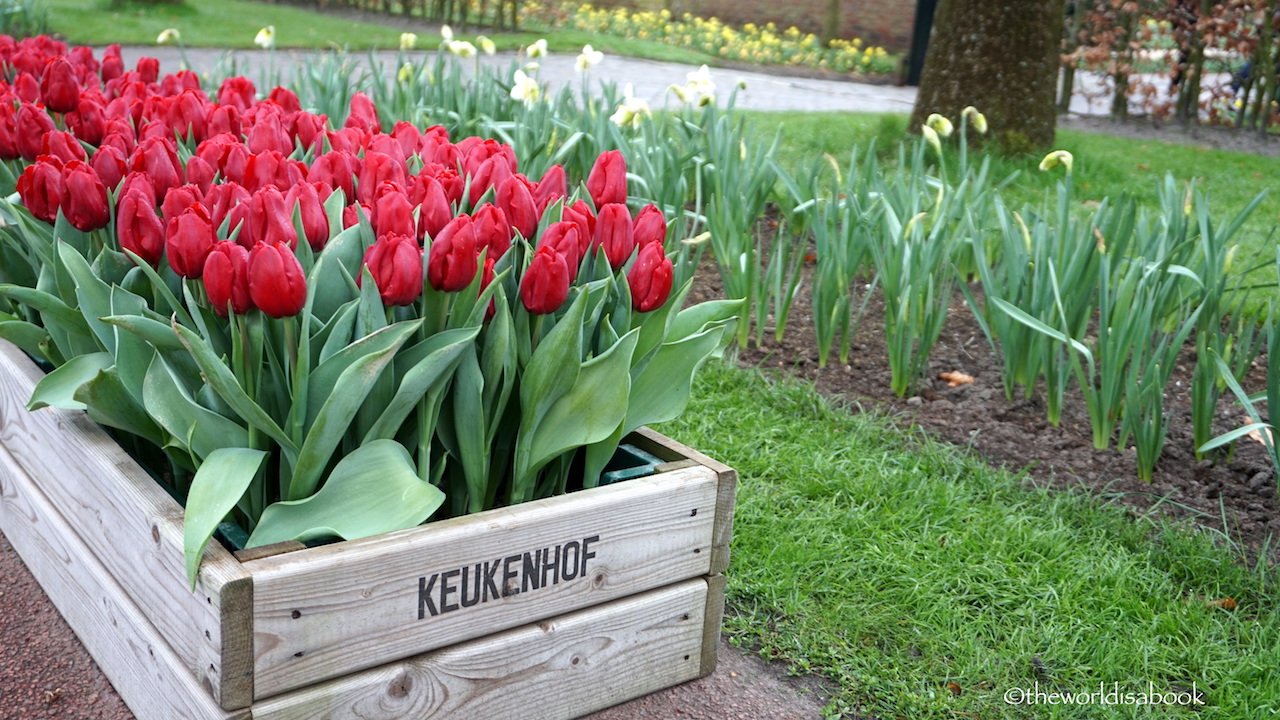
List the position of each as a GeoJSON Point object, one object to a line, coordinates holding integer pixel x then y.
{"type": "Point", "coordinates": [408, 40]}
{"type": "Point", "coordinates": [1056, 158]}
{"type": "Point", "coordinates": [266, 37]}
{"type": "Point", "coordinates": [940, 125]}
{"type": "Point", "coordinates": [975, 119]}
{"type": "Point", "coordinates": [168, 35]}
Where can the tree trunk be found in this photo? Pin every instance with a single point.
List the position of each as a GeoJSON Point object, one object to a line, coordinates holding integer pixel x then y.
{"type": "Point", "coordinates": [1072, 58]}
{"type": "Point", "coordinates": [1001, 56]}
{"type": "Point", "coordinates": [831, 23]}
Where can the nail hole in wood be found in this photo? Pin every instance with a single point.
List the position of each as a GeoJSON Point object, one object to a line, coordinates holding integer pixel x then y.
{"type": "Point", "coordinates": [694, 513]}
{"type": "Point", "coordinates": [686, 657]}
{"type": "Point", "coordinates": [684, 616]}
{"type": "Point", "coordinates": [295, 614]}
{"type": "Point", "coordinates": [155, 533]}
{"type": "Point", "coordinates": [577, 660]}
{"type": "Point", "coordinates": [298, 654]}
{"type": "Point", "coordinates": [697, 551]}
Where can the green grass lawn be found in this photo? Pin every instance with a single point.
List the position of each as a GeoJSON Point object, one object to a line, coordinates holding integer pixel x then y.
{"type": "Point", "coordinates": [896, 566]}
{"type": "Point", "coordinates": [234, 23]}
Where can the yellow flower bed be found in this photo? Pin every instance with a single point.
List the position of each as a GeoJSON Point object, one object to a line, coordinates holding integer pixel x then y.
{"type": "Point", "coordinates": [765, 45]}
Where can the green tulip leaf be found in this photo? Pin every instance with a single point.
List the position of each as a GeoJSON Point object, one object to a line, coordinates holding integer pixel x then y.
{"type": "Point", "coordinates": [109, 403]}
{"type": "Point", "coordinates": [58, 388]}
{"type": "Point", "coordinates": [373, 490]}
{"type": "Point", "coordinates": [554, 366]}
{"type": "Point", "coordinates": [343, 401]}
{"type": "Point", "coordinates": [661, 391]}
{"type": "Point", "coordinates": [439, 355]}
{"type": "Point", "coordinates": [324, 379]}
{"type": "Point", "coordinates": [218, 485]}
{"type": "Point", "coordinates": [25, 335]}
{"type": "Point", "coordinates": [92, 295]}
{"type": "Point", "coordinates": [589, 412]}
{"type": "Point", "coordinates": [696, 318]}
{"type": "Point", "coordinates": [66, 326]}
{"type": "Point", "coordinates": [469, 428]}
{"type": "Point", "coordinates": [201, 430]}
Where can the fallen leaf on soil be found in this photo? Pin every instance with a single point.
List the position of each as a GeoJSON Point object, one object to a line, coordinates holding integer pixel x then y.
{"type": "Point", "coordinates": [1224, 603]}
{"type": "Point", "coordinates": [1143, 166]}
{"type": "Point", "coordinates": [954, 688]}
{"type": "Point", "coordinates": [1256, 435]}
{"type": "Point", "coordinates": [956, 378]}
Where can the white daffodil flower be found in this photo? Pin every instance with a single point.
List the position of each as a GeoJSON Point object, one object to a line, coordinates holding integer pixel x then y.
{"type": "Point", "coordinates": [940, 125]}
{"type": "Point", "coordinates": [976, 119]}
{"type": "Point", "coordinates": [408, 40]}
{"type": "Point", "coordinates": [1056, 158]}
{"type": "Point", "coordinates": [931, 136]}
{"type": "Point", "coordinates": [266, 37]}
{"type": "Point", "coordinates": [631, 111]}
{"type": "Point", "coordinates": [486, 45]}
{"type": "Point", "coordinates": [588, 58]}
{"type": "Point", "coordinates": [168, 35]}
{"type": "Point", "coordinates": [525, 88]}
{"type": "Point", "coordinates": [462, 49]}
{"type": "Point", "coordinates": [537, 50]}
{"type": "Point", "coordinates": [446, 32]}
{"type": "Point", "coordinates": [700, 89]}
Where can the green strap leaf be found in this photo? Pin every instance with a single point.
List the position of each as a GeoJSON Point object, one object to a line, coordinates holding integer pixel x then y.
{"type": "Point", "coordinates": [25, 335]}
{"type": "Point", "coordinates": [222, 479]}
{"type": "Point", "coordinates": [373, 490]}
{"type": "Point", "coordinates": [325, 378]}
{"type": "Point", "coordinates": [109, 403]}
{"type": "Point", "coordinates": [440, 354]}
{"type": "Point", "coordinates": [58, 388]}
{"type": "Point", "coordinates": [201, 430]}
{"type": "Point", "coordinates": [661, 392]}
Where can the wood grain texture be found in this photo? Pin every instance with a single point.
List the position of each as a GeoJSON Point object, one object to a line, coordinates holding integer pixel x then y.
{"type": "Point", "coordinates": [132, 527]}
{"type": "Point", "coordinates": [153, 681]}
{"type": "Point", "coordinates": [555, 670]}
{"type": "Point", "coordinates": [667, 449]}
{"type": "Point", "coordinates": [328, 611]}
{"type": "Point", "coordinates": [713, 615]}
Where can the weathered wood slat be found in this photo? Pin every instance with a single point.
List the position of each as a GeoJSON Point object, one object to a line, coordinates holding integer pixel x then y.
{"type": "Point", "coordinates": [665, 448]}
{"type": "Point", "coordinates": [154, 682]}
{"type": "Point", "coordinates": [560, 669]}
{"type": "Point", "coordinates": [134, 529]}
{"type": "Point", "coordinates": [331, 610]}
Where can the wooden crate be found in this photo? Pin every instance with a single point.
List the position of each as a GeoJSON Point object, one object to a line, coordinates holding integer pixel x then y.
{"type": "Point", "coordinates": [564, 605]}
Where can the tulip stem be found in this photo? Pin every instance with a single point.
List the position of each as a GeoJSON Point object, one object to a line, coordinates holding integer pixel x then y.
{"type": "Point", "coordinates": [536, 335]}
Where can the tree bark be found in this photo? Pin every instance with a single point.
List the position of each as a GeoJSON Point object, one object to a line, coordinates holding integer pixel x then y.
{"type": "Point", "coordinates": [1001, 56]}
{"type": "Point", "coordinates": [831, 23]}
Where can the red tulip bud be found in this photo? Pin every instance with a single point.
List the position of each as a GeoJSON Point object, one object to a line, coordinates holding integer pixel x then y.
{"type": "Point", "coordinates": [270, 221]}
{"type": "Point", "coordinates": [517, 204]}
{"type": "Point", "coordinates": [545, 285]}
{"type": "Point", "coordinates": [226, 278]}
{"type": "Point", "coordinates": [650, 278]}
{"type": "Point", "coordinates": [111, 165]}
{"type": "Point", "coordinates": [276, 283]}
{"type": "Point", "coordinates": [363, 115]}
{"type": "Point", "coordinates": [436, 211]}
{"type": "Point", "coordinates": [492, 230]}
{"type": "Point", "coordinates": [392, 212]}
{"type": "Point", "coordinates": [178, 199]}
{"type": "Point", "coordinates": [238, 92]}
{"type": "Point", "coordinates": [650, 226]}
{"type": "Point", "coordinates": [139, 228]}
{"type": "Point", "coordinates": [563, 236]}
{"type": "Point", "coordinates": [32, 123]}
{"type": "Point", "coordinates": [395, 262]}
{"type": "Point", "coordinates": [40, 188]}
{"type": "Point", "coordinates": [62, 145]}
{"type": "Point", "coordinates": [314, 221]}
{"type": "Point", "coordinates": [159, 160]}
{"type": "Point", "coordinates": [614, 234]}
{"type": "Point", "coordinates": [550, 188]}
{"type": "Point", "coordinates": [59, 86]}
{"type": "Point", "coordinates": [607, 182]}
{"type": "Point", "coordinates": [188, 240]}
{"type": "Point", "coordinates": [84, 199]}
{"type": "Point", "coordinates": [451, 265]}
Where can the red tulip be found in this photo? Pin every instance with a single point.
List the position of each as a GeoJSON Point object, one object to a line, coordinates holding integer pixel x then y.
{"type": "Point", "coordinates": [149, 69]}
{"type": "Point", "coordinates": [452, 265]}
{"type": "Point", "coordinates": [268, 133]}
{"type": "Point", "coordinates": [222, 200]}
{"type": "Point", "coordinates": [334, 168]}
{"type": "Point", "coordinates": [377, 169]}
{"type": "Point", "coordinates": [40, 188]}
{"type": "Point", "coordinates": [59, 86]}
{"type": "Point", "coordinates": [435, 210]}
{"type": "Point", "coordinates": [89, 121]}
{"type": "Point", "coordinates": [110, 164]}
{"type": "Point", "coordinates": [112, 67]}
{"type": "Point", "coordinates": [580, 213]}
{"type": "Point", "coordinates": [363, 115]}
{"type": "Point", "coordinates": [188, 117]}
{"type": "Point", "coordinates": [395, 262]}
{"type": "Point", "coordinates": [387, 145]}
{"type": "Point", "coordinates": [188, 240]}
{"type": "Point", "coordinates": [650, 226]}
{"type": "Point", "coordinates": [8, 132]}
{"type": "Point", "coordinates": [270, 221]}
{"type": "Point", "coordinates": [266, 169]}
{"type": "Point", "coordinates": [545, 285]}
{"type": "Point", "coordinates": [351, 214]}
{"type": "Point", "coordinates": [309, 130]}
{"type": "Point", "coordinates": [286, 99]}
{"type": "Point", "coordinates": [614, 234]}
{"type": "Point", "coordinates": [62, 145]}
{"type": "Point", "coordinates": [226, 278]}
{"type": "Point", "coordinates": [200, 173]}
{"type": "Point", "coordinates": [178, 199]}
{"type": "Point", "coordinates": [392, 212]}
{"type": "Point", "coordinates": [551, 187]}
{"type": "Point", "coordinates": [84, 198]}
{"type": "Point", "coordinates": [517, 204]}
{"type": "Point", "coordinates": [607, 182]}
{"type": "Point", "coordinates": [138, 182]}
{"type": "Point", "coordinates": [492, 172]}
{"type": "Point", "coordinates": [315, 224]}
{"type": "Point", "coordinates": [486, 277]}
{"type": "Point", "coordinates": [563, 236]}
{"type": "Point", "coordinates": [409, 137]}
{"type": "Point", "coordinates": [237, 92]}
{"type": "Point", "coordinates": [27, 88]}
{"type": "Point", "coordinates": [139, 228]}
{"type": "Point", "coordinates": [650, 278]}
{"type": "Point", "coordinates": [492, 230]}
{"type": "Point", "coordinates": [32, 123]}
{"type": "Point", "coordinates": [222, 119]}
{"type": "Point", "coordinates": [159, 160]}
{"type": "Point", "coordinates": [276, 283]}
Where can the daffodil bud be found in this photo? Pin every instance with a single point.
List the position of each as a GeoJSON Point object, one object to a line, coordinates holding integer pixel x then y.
{"type": "Point", "coordinates": [1056, 158]}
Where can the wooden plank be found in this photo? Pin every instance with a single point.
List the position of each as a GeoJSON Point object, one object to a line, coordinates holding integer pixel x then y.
{"type": "Point", "coordinates": [327, 611]}
{"type": "Point", "coordinates": [134, 529]}
{"type": "Point", "coordinates": [667, 449]}
{"type": "Point", "coordinates": [560, 669]}
{"type": "Point", "coordinates": [713, 618]}
{"type": "Point", "coordinates": [154, 682]}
